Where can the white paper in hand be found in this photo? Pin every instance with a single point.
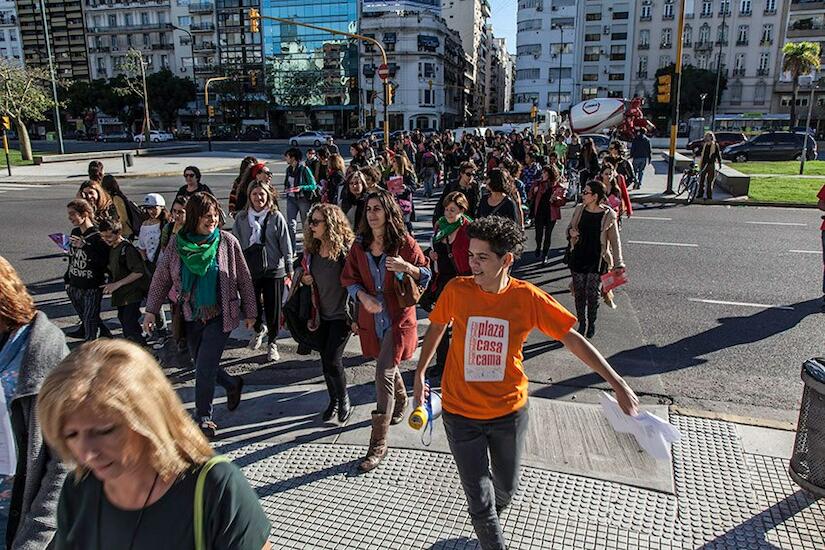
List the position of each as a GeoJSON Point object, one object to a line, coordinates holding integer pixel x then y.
{"type": "Point", "coordinates": [8, 449]}
{"type": "Point", "coordinates": [653, 434]}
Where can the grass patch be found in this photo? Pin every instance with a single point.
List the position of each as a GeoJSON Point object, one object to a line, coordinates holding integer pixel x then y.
{"type": "Point", "coordinates": [785, 189]}
{"type": "Point", "coordinates": [15, 158]}
{"type": "Point", "coordinates": [780, 168]}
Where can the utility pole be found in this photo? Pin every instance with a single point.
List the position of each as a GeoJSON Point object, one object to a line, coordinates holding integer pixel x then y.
{"type": "Point", "coordinates": [173, 28]}
{"type": "Point", "coordinates": [726, 6]}
{"type": "Point", "coordinates": [57, 124]}
{"type": "Point", "coordinates": [674, 106]}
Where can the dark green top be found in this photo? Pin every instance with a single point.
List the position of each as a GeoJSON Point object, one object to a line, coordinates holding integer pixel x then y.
{"type": "Point", "coordinates": [125, 259]}
{"type": "Point", "coordinates": [233, 516]}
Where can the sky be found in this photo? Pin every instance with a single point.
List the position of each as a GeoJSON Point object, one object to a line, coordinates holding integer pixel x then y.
{"type": "Point", "coordinates": [503, 18]}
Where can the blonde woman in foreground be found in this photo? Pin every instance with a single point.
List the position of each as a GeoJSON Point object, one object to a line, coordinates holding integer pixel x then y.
{"type": "Point", "coordinates": [108, 410]}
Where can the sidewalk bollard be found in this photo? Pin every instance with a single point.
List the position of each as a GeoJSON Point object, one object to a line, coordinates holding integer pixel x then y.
{"type": "Point", "coordinates": [123, 158]}
{"type": "Point", "coordinates": [807, 467]}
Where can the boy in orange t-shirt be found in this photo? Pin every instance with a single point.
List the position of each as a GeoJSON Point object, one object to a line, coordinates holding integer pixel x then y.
{"type": "Point", "coordinates": [484, 387]}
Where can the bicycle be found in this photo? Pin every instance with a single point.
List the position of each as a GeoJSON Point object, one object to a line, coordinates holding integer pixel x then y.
{"type": "Point", "coordinates": [689, 183]}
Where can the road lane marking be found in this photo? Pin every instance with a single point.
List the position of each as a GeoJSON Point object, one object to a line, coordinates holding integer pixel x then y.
{"type": "Point", "coordinates": [635, 217]}
{"type": "Point", "coordinates": [688, 245]}
{"type": "Point", "coordinates": [14, 187]}
{"type": "Point", "coordinates": [741, 304]}
{"type": "Point", "coordinates": [793, 224]}
{"type": "Point", "coordinates": [806, 251]}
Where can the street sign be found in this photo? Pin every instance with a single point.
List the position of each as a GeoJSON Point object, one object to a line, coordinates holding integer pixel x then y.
{"type": "Point", "coordinates": [383, 71]}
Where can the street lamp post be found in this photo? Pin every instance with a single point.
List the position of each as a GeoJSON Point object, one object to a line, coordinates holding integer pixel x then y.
{"type": "Point", "coordinates": [561, 53]}
{"type": "Point", "coordinates": [702, 97]}
{"type": "Point", "coordinates": [174, 27]}
{"type": "Point", "coordinates": [58, 125]}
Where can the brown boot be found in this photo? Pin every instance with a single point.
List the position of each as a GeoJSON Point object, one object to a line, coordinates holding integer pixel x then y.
{"type": "Point", "coordinates": [378, 442]}
{"type": "Point", "coordinates": [400, 400]}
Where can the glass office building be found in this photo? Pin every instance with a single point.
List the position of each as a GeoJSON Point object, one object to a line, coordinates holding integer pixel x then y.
{"type": "Point", "coordinates": [311, 75]}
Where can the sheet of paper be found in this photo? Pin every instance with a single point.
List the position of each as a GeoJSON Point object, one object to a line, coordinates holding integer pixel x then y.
{"type": "Point", "coordinates": [8, 449]}
{"type": "Point", "coordinates": [653, 434]}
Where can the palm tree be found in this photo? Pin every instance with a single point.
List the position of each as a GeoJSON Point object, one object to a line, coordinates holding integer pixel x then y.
{"type": "Point", "coordinates": [800, 58]}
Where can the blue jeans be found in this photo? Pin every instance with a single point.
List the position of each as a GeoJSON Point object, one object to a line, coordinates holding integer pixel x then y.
{"type": "Point", "coordinates": [639, 167]}
{"type": "Point", "coordinates": [206, 342]}
{"type": "Point", "coordinates": [488, 492]}
{"type": "Point", "coordinates": [296, 206]}
{"type": "Point", "coordinates": [428, 175]}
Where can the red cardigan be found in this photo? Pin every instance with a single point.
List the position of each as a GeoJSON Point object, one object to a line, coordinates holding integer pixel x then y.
{"type": "Point", "coordinates": [404, 321]}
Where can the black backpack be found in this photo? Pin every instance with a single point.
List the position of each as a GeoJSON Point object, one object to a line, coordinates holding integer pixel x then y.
{"type": "Point", "coordinates": [135, 215]}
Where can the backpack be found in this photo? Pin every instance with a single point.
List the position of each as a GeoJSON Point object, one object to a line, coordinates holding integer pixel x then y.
{"type": "Point", "coordinates": [429, 160]}
{"type": "Point", "coordinates": [135, 215]}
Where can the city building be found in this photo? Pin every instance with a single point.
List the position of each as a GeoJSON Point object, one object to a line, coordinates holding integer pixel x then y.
{"type": "Point", "coordinates": [469, 18]}
{"type": "Point", "coordinates": [10, 43]}
{"type": "Point", "coordinates": [67, 35]}
{"type": "Point", "coordinates": [745, 35]}
{"type": "Point", "coordinates": [311, 76]}
{"type": "Point", "coordinates": [804, 21]}
{"type": "Point", "coordinates": [426, 71]}
{"type": "Point", "coordinates": [547, 54]}
{"type": "Point", "coordinates": [498, 84]}
{"type": "Point", "coordinates": [604, 50]}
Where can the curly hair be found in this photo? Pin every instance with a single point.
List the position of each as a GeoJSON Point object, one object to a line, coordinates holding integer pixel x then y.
{"type": "Point", "coordinates": [337, 233]}
{"type": "Point", "coordinates": [395, 232]}
{"type": "Point", "coordinates": [16, 304]}
{"type": "Point", "coordinates": [502, 234]}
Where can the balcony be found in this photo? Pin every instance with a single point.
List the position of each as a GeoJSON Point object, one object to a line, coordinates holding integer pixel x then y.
{"type": "Point", "coordinates": [703, 45]}
{"type": "Point", "coordinates": [766, 42]}
{"type": "Point", "coordinates": [741, 42]}
{"type": "Point", "coordinates": [202, 7]}
{"type": "Point", "coordinates": [206, 69]}
{"type": "Point", "coordinates": [202, 27]}
{"type": "Point", "coordinates": [131, 27]}
{"type": "Point", "coordinates": [665, 45]}
{"type": "Point", "coordinates": [738, 72]}
{"type": "Point", "coordinates": [643, 46]}
{"type": "Point", "coordinates": [667, 17]}
{"type": "Point", "coordinates": [641, 74]}
{"type": "Point", "coordinates": [745, 13]}
{"type": "Point", "coordinates": [763, 72]}
{"type": "Point", "coordinates": [645, 18]}
{"type": "Point", "coordinates": [205, 47]}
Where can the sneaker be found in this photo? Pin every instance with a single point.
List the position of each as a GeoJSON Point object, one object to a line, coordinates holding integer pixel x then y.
{"type": "Point", "coordinates": [273, 354]}
{"type": "Point", "coordinates": [208, 427]}
{"type": "Point", "coordinates": [257, 339]}
{"type": "Point", "coordinates": [304, 349]}
{"type": "Point", "coordinates": [545, 261]}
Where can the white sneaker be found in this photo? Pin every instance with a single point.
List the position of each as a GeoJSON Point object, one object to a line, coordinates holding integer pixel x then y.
{"type": "Point", "coordinates": [257, 339]}
{"type": "Point", "coordinates": [273, 353]}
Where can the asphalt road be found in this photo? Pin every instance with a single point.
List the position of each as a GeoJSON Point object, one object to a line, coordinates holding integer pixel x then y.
{"type": "Point", "coordinates": [270, 146]}
{"type": "Point", "coordinates": [722, 307]}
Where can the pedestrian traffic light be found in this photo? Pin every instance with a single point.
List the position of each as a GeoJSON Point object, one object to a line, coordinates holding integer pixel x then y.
{"type": "Point", "coordinates": [254, 20]}
{"type": "Point", "coordinates": [663, 88]}
{"type": "Point", "coordinates": [210, 110]}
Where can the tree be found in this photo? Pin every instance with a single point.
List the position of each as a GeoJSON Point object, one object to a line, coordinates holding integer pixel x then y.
{"type": "Point", "coordinates": [133, 84]}
{"type": "Point", "coordinates": [169, 93]}
{"type": "Point", "coordinates": [800, 58]}
{"type": "Point", "coordinates": [694, 83]}
{"type": "Point", "coordinates": [24, 97]}
{"type": "Point", "coordinates": [82, 99]}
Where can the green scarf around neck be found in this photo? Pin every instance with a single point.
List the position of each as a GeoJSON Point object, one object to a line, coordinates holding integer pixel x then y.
{"type": "Point", "coordinates": [445, 228]}
{"type": "Point", "coordinates": [199, 272]}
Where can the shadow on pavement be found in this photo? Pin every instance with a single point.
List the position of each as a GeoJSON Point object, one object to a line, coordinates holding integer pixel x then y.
{"type": "Point", "coordinates": [460, 543]}
{"type": "Point", "coordinates": [691, 350]}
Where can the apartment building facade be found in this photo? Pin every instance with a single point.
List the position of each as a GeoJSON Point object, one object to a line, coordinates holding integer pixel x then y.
{"type": "Point", "coordinates": [67, 35]}
{"type": "Point", "coordinates": [11, 47]}
{"type": "Point", "coordinates": [470, 18]}
{"type": "Point", "coordinates": [744, 36]}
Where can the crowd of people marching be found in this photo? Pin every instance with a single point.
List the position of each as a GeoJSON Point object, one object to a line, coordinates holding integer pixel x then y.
{"type": "Point", "coordinates": [199, 269]}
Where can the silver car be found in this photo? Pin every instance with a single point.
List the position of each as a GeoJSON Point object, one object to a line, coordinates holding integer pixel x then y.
{"type": "Point", "coordinates": [309, 138]}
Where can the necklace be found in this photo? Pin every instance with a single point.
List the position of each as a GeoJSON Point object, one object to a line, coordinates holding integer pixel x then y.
{"type": "Point", "coordinates": [140, 515]}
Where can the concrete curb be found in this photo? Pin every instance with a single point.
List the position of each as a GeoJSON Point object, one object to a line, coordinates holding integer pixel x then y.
{"type": "Point", "coordinates": [734, 418]}
{"type": "Point", "coordinates": [698, 202]}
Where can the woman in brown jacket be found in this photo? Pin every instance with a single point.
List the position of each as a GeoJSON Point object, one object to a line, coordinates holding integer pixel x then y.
{"type": "Point", "coordinates": [388, 332]}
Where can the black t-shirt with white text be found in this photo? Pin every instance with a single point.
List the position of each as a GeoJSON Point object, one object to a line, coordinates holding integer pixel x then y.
{"type": "Point", "coordinates": [87, 263]}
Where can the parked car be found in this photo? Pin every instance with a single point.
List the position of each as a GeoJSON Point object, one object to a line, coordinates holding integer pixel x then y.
{"type": "Point", "coordinates": [722, 138]}
{"type": "Point", "coordinates": [115, 136]}
{"type": "Point", "coordinates": [771, 146]}
{"type": "Point", "coordinates": [601, 141]}
{"type": "Point", "coordinates": [378, 133]}
{"type": "Point", "coordinates": [309, 138]}
{"type": "Point", "coordinates": [155, 136]}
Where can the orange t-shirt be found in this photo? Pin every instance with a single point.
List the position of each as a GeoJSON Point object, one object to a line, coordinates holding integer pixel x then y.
{"type": "Point", "coordinates": [484, 377]}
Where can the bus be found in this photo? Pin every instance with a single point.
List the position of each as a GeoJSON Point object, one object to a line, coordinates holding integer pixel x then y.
{"type": "Point", "coordinates": [750, 123]}
{"type": "Point", "coordinates": [547, 121]}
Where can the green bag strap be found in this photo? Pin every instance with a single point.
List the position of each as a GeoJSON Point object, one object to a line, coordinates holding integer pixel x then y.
{"type": "Point", "coordinates": [200, 532]}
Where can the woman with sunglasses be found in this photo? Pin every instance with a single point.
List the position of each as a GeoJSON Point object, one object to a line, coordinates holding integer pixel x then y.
{"type": "Point", "coordinates": [618, 152]}
{"type": "Point", "coordinates": [467, 185]}
{"type": "Point", "coordinates": [595, 248]}
{"type": "Point", "coordinates": [192, 177]}
{"type": "Point", "coordinates": [388, 332]}
{"type": "Point", "coordinates": [327, 241]}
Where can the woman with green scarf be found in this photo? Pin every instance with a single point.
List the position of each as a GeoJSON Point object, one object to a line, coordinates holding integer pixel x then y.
{"type": "Point", "coordinates": [205, 271]}
{"type": "Point", "coordinates": [450, 256]}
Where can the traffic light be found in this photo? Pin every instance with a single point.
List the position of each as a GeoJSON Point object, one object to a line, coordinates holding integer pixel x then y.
{"type": "Point", "coordinates": [533, 112]}
{"type": "Point", "coordinates": [663, 88]}
{"type": "Point", "coordinates": [6, 122]}
{"type": "Point", "coordinates": [254, 20]}
{"type": "Point", "coordinates": [210, 110]}
{"type": "Point", "coordinates": [390, 94]}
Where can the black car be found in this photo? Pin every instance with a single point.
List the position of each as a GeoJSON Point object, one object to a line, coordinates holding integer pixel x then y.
{"type": "Point", "coordinates": [771, 146]}
{"type": "Point", "coordinates": [722, 138]}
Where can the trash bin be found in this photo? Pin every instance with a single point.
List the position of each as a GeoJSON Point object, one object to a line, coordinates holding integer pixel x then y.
{"type": "Point", "coordinates": [808, 459]}
{"type": "Point", "coordinates": [130, 161]}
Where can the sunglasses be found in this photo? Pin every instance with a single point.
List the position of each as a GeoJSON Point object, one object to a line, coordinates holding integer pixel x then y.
{"type": "Point", "coordinates": [189, 175]}
{"type": "Point", "coordinates": [313, 222]}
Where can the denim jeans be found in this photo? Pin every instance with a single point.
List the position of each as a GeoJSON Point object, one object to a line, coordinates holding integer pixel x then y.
{"type": "Point", "coordinates": [639, 168]}
{"type": "Point", "coordinates": [206, 342]}
{"type": "Point", "coordinates": [478, 445]}
{"type": "Point", "coordinates": [428, 175]}
{"type": "Point", "coordinates": [296, 206]}
{"type": "Point", "coordinates": [129, 317]}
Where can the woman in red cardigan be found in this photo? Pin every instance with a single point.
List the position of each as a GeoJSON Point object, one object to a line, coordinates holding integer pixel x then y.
{"type": "Point", "coordinates": [450, 257]}
{"type": "Point", "coordinates": [384, 250]}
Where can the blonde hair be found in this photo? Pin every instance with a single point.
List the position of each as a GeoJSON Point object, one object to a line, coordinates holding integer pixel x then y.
{"type": "Point", "coordinates": [336, 162]}
{"type": "Point", "coordinates": [121, 379]}
{"type": "Point", "coordinates": [271, 193]}
{"type": "Point", "coordinates": [337, 231]}
{"type": "Point", "coordinates": [16, 304]}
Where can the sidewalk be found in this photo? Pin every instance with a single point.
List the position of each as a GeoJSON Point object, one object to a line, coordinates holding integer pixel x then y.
{"type": "Point", "coordinates": [582, 487]}
{"type": "Point", "coordinates": [145, 167]}
{"type": "Point", "coordinates": [655, 183]}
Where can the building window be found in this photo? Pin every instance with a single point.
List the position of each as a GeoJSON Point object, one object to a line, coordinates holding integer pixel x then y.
{"type": "Point", "coordinates": [702, 61]}
{"type": "Point", "coordinates": [426, 70]}
{"type": "Point", "coordinates": [736, 93]}
{"type": "Point", "coordinates": [620, 15]}
{"type": "Point", "coordinates": [590, 77]}
{"type": "Point", "coordinates": [113, 20]}
{"type": "Point", "coordinates": [770, 6]}
{"type": "Point", "coordinates": [389, 41]}
{"type": "Point", "coordinates": [668, 10]}
{"type": "Point", "coordinates": [767, 34]}
{"type": "Point", "coordinates": [597, 16]}
{"type": "Point", "coordinates": [562, 22]}
{"type": "Point", "coordinates": [645, 13]}
{"type": "Point", "coordinates": [664, 61]}
{"type": "Point", "coordinates": [526, 4]}
{"type": "Point", "coordinates": [554, 100]}
{"type": "Point", "coordinates": [739, 65]}
{"type": "Point", "coordinates": [618, 53]}
{"type": "Point", "coordinates": [144, 18]}
{"type": "Point", "coordinates": [667, 38]}
{"type": "Point", "coordinates": [687, 36]}
{"type": "Point", "coordinates": [530, 98]}
{"type": "Point", "coordinates": [801, 101]}
{"type": "Point", "coordinates": [529, 49]}
{"type": "Point", "coordinates": [707, 9]}
{"type": "Point", "coordinates": [759, 94]}
{"type": "Point", "coordinates": [704, 34]}
{"type": "Point", "coordinates": [745, 8]}
{"type": "Point", "coordinates": [528, 74]}
{"type": "Point", "coordinates": [556, 49]}
{"type": "Point", "coordinates": [724, 8]}
{"type": "Point", "coordinates": [644, 39]}
{"type": "Point", "coordinates": [128, 20]}
{"type": "Point", "coordinates": [554, 72]}
{"type": "Point", "coordinates": [722, 34]}
{"type": "Point", "coordinates": [592, 33]}
{"type": "Point", "coordinates": [642, 71]}
{"type": "Point", "coordinates": [742, 35]}
{"type": "Point", "coordinates": [184, 21]}
{"type": "Point", "coordinates": [592, 53]}
{"type": "Point", "coordinates": [427, 97]}
{"type": "Point", "coordinates": [764, 60]}
{"type": "Point", "coordinates": [589, 93]}
{"type": "Point", "coordinates": [529, 25]}
{"type": "Point", "coordinates": [616, 76]}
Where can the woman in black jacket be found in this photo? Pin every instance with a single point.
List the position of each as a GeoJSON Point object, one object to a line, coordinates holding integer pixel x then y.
{"type": "Point", "coordinates": [588, 161]}
{"type": "Point", "coordinates": [32, 346]}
